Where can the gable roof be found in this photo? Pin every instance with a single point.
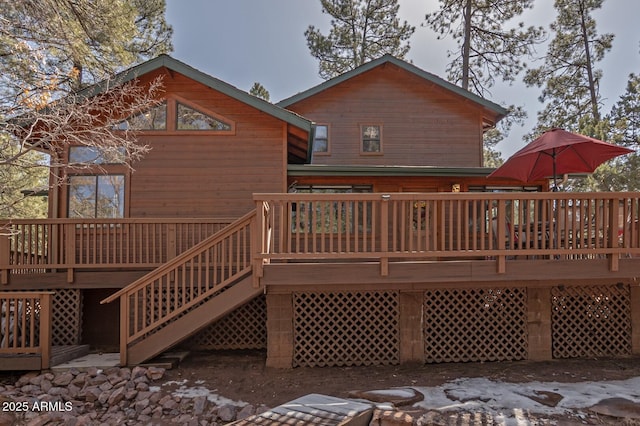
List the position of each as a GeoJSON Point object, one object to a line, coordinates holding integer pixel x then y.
{"type": "Point", "coordinates": [166, 61]}
{"type": "Point", "coordinates": [496, 109]}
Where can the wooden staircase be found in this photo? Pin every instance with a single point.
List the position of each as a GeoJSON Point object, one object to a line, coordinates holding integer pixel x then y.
{"type": "Point", "coordinates": [189, 292]}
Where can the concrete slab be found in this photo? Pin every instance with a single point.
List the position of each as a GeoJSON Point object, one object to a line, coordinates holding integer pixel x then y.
{"type": "Point", "coordinates": [100, 360]}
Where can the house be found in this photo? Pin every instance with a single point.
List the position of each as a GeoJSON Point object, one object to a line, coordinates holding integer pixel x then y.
{"type": "Point", "coordinates": [350, 224]}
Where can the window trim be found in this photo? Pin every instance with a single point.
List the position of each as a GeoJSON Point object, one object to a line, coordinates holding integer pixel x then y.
{"type": "Point", "coordinates": [361, 140]}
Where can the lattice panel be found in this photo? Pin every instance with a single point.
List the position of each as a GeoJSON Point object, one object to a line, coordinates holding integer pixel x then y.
{"type": "Point", "coordinates": [482, 324]}
{"type": "Point", "coordinates": [592, 321]}
{"type": "Point", "coordinates": [244, 328]}
{"type": "Point", "coordinates": [66, 317]}
{"type": "Point", "coordinates": [346, 328]}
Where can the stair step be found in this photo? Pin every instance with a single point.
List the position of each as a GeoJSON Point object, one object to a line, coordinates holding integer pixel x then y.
{"type": "Point", "coordinates": [167, 360]}
{"type": "Point", "coordinates": [62, 354]}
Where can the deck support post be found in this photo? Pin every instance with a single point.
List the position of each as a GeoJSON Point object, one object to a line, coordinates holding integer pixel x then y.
{"type": "Point", "coordinates": [45, 330]}
{"type": "Point", "coordinates": [539, 323]}
{"type": "Point", "coordinates": [280, 330]}
{"type": "Point", "coordinates": [635, 318]}
{"type": "Point", "coordinates": [411, 323]}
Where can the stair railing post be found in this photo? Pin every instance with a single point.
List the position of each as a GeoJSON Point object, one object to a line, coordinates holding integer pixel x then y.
{"type": "Point", "coordinates": [124, 329]}
{"type": "Point", "coordinates": [612, 237]}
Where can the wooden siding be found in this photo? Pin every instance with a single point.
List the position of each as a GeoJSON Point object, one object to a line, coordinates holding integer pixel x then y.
{"type": "Point", "coordinates": [422, 124]}
{"type": "Point", "coordinates": [204, 173]}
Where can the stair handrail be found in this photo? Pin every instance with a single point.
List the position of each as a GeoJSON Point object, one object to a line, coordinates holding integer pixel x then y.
{"type": "Point", "coordinates": [138, 317]}
{"type": "Point", "coordinates": [188, 254]}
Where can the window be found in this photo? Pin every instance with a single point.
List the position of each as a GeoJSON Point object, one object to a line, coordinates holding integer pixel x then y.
{"type": "Point", "coordinates": [190, 119]}
{"type": "Point", "coordinates": [152, 119]}
{"type": "Point", "coordinates": [96, 196]}
{"type": "Point", "coordinates": [321, 139]}
{"type": "Point", "coordinates": [95, 155]}
{"type": "Point", "coordinates": [371, 136]}
{"type": "Point", "coordinates": [331, 216]}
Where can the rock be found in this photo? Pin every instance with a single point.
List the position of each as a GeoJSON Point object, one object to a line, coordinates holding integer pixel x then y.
{"type": "Point", "coordinates": [199, 405]}
{"type": "Point", "coordinates": [45, 385]}
{"type": "Point", "coordinates": [391, 418]}
{"type": "Point", "coordinates": [116, 397]}
{"type": "Point", "coordinates": [141, 405]}
{"type": "Point", "coordinates": [138, 371]}
{"type": "Point", "coordinates": [617, 407]}
{"type": "Point", "coordinates": [246, 411]}
{"type": "Point", "coordinates": [7, 419]}
{"type": "Point", "coordinates": [227, 413]}
{"type": "Point", "coordinates": [550, 399]}
{"type": "Point", "coordinates": [155, 373]}
{"type": "Point", "coordinates": [398, 397]}
{"type": "Point", "coordinates": [63, 379]}
{"type": "Point", "coordinates": [142, 386]}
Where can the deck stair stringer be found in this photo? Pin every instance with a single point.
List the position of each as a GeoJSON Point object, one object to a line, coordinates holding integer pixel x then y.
{"type": "Point", "coordinates": [187, 293]}
{"type": "Point", "coordinates": [193, 321]}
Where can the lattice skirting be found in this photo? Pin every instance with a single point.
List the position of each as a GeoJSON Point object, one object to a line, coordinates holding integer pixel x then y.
{"type": "Point", "coordinates": [592, 321]}
{"type": "Point", "coordinates": [244, 328]}
{"type": "Point", "coordinates": [66, 317]}
{"type": "Point", "coordinates": [483, 324]}
{"type": "Point", "coordinates": [346, 328]}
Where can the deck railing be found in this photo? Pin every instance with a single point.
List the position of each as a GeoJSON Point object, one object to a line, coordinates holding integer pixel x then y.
{"type": "Point", "coordinates": [32, 246]}
{"type": "Point", "coordinates": [400, 226]}
{"type": "Point", "coordinates": [169, 291]}
{"type": "Point", "coordinates": [25, 324]}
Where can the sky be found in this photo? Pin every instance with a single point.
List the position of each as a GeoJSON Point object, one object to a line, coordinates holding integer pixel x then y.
{"type": "Point", "coordinates": [247, 41]}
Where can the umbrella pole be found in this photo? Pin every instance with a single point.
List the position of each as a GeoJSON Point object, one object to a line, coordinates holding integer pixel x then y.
{"type": "Point", "coordinates": [555, 177]}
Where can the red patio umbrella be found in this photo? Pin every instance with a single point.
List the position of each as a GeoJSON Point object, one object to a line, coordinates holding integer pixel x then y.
{"type": "Point", "coordinates": [557, 152]}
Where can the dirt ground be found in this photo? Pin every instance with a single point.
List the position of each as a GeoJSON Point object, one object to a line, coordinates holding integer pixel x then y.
{"type": "Point", "coordinates": [244, 376]}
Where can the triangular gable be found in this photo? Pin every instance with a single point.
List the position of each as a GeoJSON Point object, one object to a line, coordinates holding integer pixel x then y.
{"type": "Point", "coordinates": [492, 111]}
{"type": "Point", "coordinates": [299, 129]}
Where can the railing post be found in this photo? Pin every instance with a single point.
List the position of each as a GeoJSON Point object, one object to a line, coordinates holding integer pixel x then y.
{"type": "Point", "coordinates": [614, 255]}
{"type": "Point", "coordinates": [69, 238]}
{"type": "Point", "coordinates": [124, 329]}
{"type": "Point", "coordinates": [384, 235]}
{"type": "Point", "coordinates": [256, 237]}
{"type": "Point", "coordinates": [501, 235]}
{"type": "Point", "coordinates": [45, 330]}
{"type": "Point", "coordinates": [172, 249]}
{"type": "Point", "coordinates": [5, 256]}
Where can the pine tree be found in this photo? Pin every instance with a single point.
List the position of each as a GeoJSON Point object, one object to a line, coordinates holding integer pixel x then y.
{"type": "Point", "coordinates": [488, 49]}
{"type": "Point", "coordinates": [569, 78]}
{"type": "Point", "coordinates": [260, 91]}
{"type": "Point", "coordinates": [361, 30]}
{"type": "Point", "coordinates": [48, 50]}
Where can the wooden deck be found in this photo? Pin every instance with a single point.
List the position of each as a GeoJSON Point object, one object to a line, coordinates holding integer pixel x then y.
{"type": "Point", "coordinates": [181, 280]}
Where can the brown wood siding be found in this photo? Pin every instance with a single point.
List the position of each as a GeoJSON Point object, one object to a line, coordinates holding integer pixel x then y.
{"type": "Point", "coordinates": [203, 174]}
{"type": "Point", "coordinates": [422, 124]}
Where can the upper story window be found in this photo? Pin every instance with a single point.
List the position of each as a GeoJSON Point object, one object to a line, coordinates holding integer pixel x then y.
{"type": "Point", "coordinates": [96, 196]}
{"type": "Point", "coordinates": [188, 118]}
{"type": "Point", "coordinates": [176, 115]}
{"type": "Point", "coordinates": [321, 139]}
{"type": "Point", "coordinates": [95, 155]}
{"type": "Point", "coordinates": [151, 119]}
{"type": "Point", "coordinates": [371, 139]}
